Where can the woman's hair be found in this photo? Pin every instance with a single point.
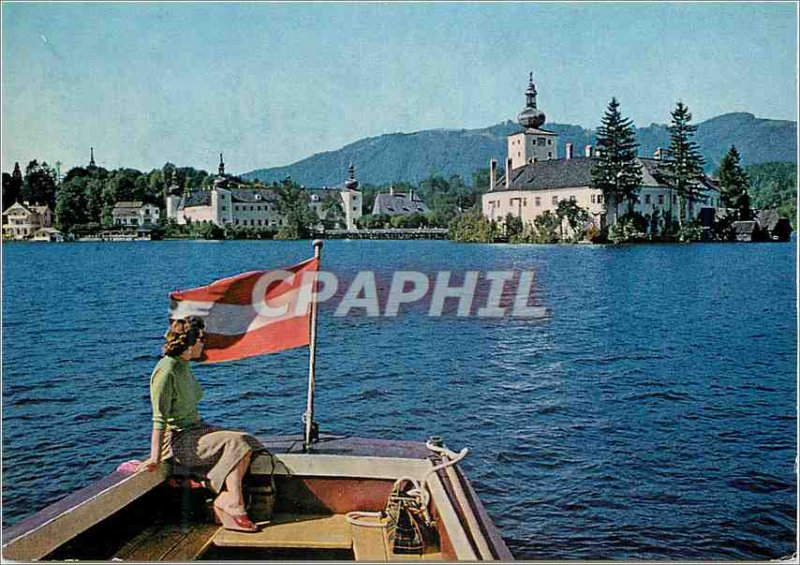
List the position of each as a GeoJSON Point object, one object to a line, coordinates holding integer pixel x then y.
{"type": "Point", "coordinates": [182, 334]}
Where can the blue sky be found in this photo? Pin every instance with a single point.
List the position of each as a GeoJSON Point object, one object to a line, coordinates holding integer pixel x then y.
{"type": "Point", "coordinates": [269, 84]}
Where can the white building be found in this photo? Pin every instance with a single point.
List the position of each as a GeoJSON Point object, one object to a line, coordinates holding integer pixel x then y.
{"type": "Point", "coordinates": [22, 220]}
{"type": "Point", "coordinates": [134, 214]}
{"type": "Point", "coordinates": [227, 204]}
{"type": "Point", "coordinates": [536, 179]}
{"type": "Point", "coordinates": [51, 235]}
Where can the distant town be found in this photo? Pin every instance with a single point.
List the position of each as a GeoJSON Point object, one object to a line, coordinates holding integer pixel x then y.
{"type": "Point", "coordinates": [542, 193]}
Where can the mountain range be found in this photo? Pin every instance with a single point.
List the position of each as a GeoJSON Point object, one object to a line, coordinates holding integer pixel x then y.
{"type": "Point", "coordinates": [413, 157]}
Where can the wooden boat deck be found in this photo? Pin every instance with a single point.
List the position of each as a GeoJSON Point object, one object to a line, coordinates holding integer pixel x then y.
{"type": "Point", "coordinates": [174, 542]}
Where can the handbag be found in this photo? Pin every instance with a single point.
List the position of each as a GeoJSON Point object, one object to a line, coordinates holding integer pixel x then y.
{"type": "Point", "coordinates": [410, 529]}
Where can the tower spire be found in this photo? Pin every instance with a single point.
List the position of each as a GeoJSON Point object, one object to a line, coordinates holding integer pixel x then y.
{"type": "Point", "coordinates": [530, 94]}
{"type": "Point", "coordinates": [531, 116]}
{"type": "Point", "coordinates": [351, 183]}
{"type": "Point", "coordinates": [221, 165]}
{"type": "Point", "coordinates": [91, 157]}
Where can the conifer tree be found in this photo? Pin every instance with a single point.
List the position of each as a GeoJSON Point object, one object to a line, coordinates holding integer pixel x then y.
{"type": "Point", "coordinates": [734, 184]}
{"type": "Point", "coordinates": [616, 171]}
{"type": "Point", "coordinates": [684, 166]}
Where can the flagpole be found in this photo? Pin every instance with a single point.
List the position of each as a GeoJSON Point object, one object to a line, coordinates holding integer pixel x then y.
{"type": "Point", "coordinates": [312, 352]}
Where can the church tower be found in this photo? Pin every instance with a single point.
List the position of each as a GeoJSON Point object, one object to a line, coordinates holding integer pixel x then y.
{"type": "Point", "coordinates": [352, 201]}
{"type": "Point", "coordinates": [533, 143]}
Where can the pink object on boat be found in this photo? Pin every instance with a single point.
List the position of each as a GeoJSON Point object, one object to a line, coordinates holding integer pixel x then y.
{"type": "Point", "coordinates": [129, 467]}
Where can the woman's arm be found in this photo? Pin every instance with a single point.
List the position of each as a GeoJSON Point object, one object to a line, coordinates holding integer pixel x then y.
{"type": "Point", "coordinates": [161, 398]}
{"type": "Point", "coordinates": [156, 439]}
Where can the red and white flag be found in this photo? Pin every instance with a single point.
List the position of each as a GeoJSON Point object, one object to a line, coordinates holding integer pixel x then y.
{"type": "Point", "coordinates": [252, 313]}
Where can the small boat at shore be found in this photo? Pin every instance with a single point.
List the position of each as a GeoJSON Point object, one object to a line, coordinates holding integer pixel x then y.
{"type": "Point", "coordinates": [318, 502]}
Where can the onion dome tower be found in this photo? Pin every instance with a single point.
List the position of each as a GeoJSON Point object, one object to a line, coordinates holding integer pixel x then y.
{"type": "Point", "coordinates": [533, 143]}
{"type": "Point", "coordinates": [531, 116]}
{"type": "Point", "coordinates": [351, 183]}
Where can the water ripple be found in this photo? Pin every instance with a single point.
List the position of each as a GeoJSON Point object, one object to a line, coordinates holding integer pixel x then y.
{"type": "Point", "coordinates": [651, 416]}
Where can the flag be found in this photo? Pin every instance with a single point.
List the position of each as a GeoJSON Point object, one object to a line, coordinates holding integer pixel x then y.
{"type": "Point", "coordinates": [253, 313]}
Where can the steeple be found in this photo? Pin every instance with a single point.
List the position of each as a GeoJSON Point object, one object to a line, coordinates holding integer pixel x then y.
{"type": "Point", "coordinates": [351, 183]}
{"type": "Point", "coordinates": [530, 94]}
{"type": "Point", "coordinates": [91, 158]}
{"type": "Point", "coordinates": [221, 165]}
{"type": "Point", "coordinates": [16, 174]}
{"type": "Point", "coordinates": [174, 187]}
{"type": "Point", "coordinates": [531, 116]}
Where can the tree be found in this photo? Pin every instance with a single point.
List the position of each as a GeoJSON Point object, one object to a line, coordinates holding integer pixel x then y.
{"type": "Point", "coordinates": [514, 226]}
{"type": "Point", "coordinates": [774, 185]}
{"type": "Point", "coordinates": [373, 222]}
{"type": "Point", "coordinates": [71, 208]}
{"type": "Point", "coordinates": [473, 227]}
{"type": "Point", "coordinates": [575, 216]}
{"type": "Point", "coordinates": [546, 226]}
{"type": "Point", "coordinates": [684, 165]}
{"type": "Point", "coordinates": [734, 184]}
{"type": "Point", "coordinates": [332, 213]}
{"type": "Point", "coordinates": [12, 186]}
{"type": "Point", "coordinates": [442, 197]}
{"type": "Point", "coordinates": [298, 218]}
{"type": "Point", "coordinates": [615, 171]}
{"type": "Point", "coordinates": [40, 183]}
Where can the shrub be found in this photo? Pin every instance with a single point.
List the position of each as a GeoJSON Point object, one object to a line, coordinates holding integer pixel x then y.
{"type": "Point", "coordinates": [629, 228]}
{"type": "Point", "coordinates": [473, 227]}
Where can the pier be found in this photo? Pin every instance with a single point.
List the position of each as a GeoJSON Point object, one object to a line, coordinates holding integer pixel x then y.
{"type": "Point", "coordinates": [392, 233]}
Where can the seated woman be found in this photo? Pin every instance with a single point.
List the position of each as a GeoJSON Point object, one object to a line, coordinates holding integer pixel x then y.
{"type": "Point", "coordinates": [222, 455]}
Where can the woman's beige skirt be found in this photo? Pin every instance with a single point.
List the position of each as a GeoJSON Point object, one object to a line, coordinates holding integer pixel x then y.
{"type": "Point", "coordinates": [212, 451]}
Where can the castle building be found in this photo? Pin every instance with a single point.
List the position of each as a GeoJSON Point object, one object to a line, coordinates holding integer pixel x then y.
{"type": "Point", "coordinates": [536, 179]}
{"type": "Point", "coordinates": [230, 204]}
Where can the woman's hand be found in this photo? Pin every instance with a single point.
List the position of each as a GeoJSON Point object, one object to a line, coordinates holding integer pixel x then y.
{"type": "Point", "coordinates": [152, 463]}
{"type": "Point", "coordinates": [148, 465]}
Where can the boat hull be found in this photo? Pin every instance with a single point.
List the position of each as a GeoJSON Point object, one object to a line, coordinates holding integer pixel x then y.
{"type": "Point", "coordinates": [121, 515]}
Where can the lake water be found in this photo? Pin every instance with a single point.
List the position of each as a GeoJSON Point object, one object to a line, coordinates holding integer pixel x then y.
{"type": "Point", "coordinates": [651, 416]}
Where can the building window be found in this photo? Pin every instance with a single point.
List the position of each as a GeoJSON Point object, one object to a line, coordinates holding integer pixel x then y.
{"type": "Point", "coordinates": [593, 198]}
{"type": "Point", "coordinates": [537, 201]}
{"type": "Point", "coordinates": [555, 200]}
{"type": "Point", "coordinates": [674, 198]}
{"type": "Point", "coordinates": [519, 154]}
{"type": "Point", "coordinates": [647, 199]}
{"type": "Point", "coordinates": [661, 199]}
{"type": "Point", "coordinates": [355, 208]}
{"type": "Point", "coordinates": [599, 198]}
{"type": "Point", "coordinates": [525, 202]}
{"type": "Point", "coordinates": [259, 222]}
{"type": "Point", "coordinates": [236, 221]}
{"type": "Point", "coordinates": [549, 142]}
{"type": "Point", "coordinates": [540, 141]}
